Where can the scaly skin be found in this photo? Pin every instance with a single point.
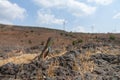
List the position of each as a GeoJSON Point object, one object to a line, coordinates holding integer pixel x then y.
{"type": "Point", "coordinates": [46, 51]}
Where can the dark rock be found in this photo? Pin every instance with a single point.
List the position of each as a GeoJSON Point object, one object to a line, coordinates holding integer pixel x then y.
{"type": "Point", "coordinates": [78, 78]}
{"type": "Point", "coordinates": [116, 68]}
{"type": "Point", "coordinates": [111, 78]}
{"type": "Point", "coordinates": [9, 69]}
{"type": "Point", "coordinates": [89, 76]}
{"type": "Point", "coordinates": [39, 64]}
{"type": "Point", "coordinates": [69, 47]}
{"type": "Point", "coordinates": [100, 62]}
{"type": "Point", "coordinates": [108, 58]}
{"type": "Point", "coordinates": [48, 78]}
{"type": "Point", "coordinates": [34, 49]}
{"type": "Point", "coordinates": [105, 78]}
{"type": "Point", "coordinates": [117, 60]}
{"type": "Point", "coordinates": [99, 72]}
{"type": "Point", "coordinates": [99, 78]}
{"type": "Point", "coordinates": [67, 62]}
{"type": "Point", "coordinates": [90, 45]}
{"type": "Point", "coordinates": [61, 72]}
{"type": "Point", "coordinates": [59, 78]}
{"type": "Point", "coordinates": [75, 52]}
{"type": "Point", "coordinates": [114, 78]}
{"type": "Point", "coordinates": [29, 67]}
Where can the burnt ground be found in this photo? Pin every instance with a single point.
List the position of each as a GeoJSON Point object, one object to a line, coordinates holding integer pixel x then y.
{"type": "Point", "coordinates": [86, 56]}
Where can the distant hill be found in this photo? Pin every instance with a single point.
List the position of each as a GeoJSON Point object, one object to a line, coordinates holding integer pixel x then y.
{"type": "Point", "coordinates": [12, 36]}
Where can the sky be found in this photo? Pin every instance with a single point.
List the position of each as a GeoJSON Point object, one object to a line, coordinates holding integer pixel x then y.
{"type": "Point", "coordinates": [99, 16]}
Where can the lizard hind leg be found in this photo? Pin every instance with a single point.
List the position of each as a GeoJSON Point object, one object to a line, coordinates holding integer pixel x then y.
{"type": "Point", "coordinates": [45, 54]}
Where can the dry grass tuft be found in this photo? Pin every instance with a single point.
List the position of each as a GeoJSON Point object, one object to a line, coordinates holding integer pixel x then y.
{"type": "Point", "coordinates": [55, 55]}
{"type": "Point", "coordinates": [52, 68]}
{"type": "Point", "coordinates": [107, 50]}
{"type": "Point", "coordinates": [86, 65]}
{"type": "Point", "coordinates": [24, 58]}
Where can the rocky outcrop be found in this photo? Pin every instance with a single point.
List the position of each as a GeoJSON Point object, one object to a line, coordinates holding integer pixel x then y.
{"type": "Point", "coordinates": [107, 68]}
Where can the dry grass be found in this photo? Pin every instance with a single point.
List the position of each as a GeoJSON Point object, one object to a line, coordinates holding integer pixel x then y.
{"type": "Point", "coordinates": [86, 65]}
{"type": "Point", "coordinates": [56, 55]}
{"type": "Point", "coordinates": [24, 58]}
{"type": "Point", "coordinates": [52, 68]}
{"type": "Point", "coordinates": [52, 55]}
{"type": "Point", "coordinates": [107, 50]}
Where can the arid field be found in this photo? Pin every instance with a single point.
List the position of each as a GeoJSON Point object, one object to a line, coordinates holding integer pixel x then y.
{"type": "Point", "coordinates": [74, 56]}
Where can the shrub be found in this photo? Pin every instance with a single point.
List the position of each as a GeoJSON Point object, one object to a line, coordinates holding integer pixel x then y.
{"type": "Point", "coordinates": [96, 37]}
{"type": "Point", "coordinates": [77, 42]}
{"type": "Point", "coordinates": [66, 34]}
{"type": "Point", "coordinates": [31, 31]}
{"type": "Point", "coordinates": [80, 41]}
{"type": "Point", "coordinates": [42, 43]}
{"type": "Point", "coordinates": [112, 37]}
{"type": "Point", "coordinates": [29, 41]}
{"type": "Point", "coordinates": [27, 32]}
{"type": "Point", "coordinates": [26, 35]}
{"type": "Point", "coordinates": [61, 34]}
{"type": "Point", "coordinates": [74, 42]}
{"type": "Point", "coordinates": [21, 40]}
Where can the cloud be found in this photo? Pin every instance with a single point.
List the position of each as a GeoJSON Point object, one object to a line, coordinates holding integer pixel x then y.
{"type": "Point", "coordinates": [47, 18]}
{"type": "Point", "coordinates": [78, 29]}
{"type": "Point", "coordinates": [116, 16]}
{"type": "Point", "coordinates": [6, 22]}
{"type": "Point", "coordinates": [10, 11]}
{"type": "Point", "coordinates": [50, 3]}
{"type": "Point", "coordinates": [79, 8]}
{"type": "Point", "coordinates": [76, 7]}
{"type": "Point", "coordinates": [101, 2]}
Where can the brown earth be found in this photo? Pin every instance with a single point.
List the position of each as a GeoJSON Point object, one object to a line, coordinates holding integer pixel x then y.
{"type": "Point", "coordinates": [24, 36]}
{"type": "Point", "coordinates": [75, 56]}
